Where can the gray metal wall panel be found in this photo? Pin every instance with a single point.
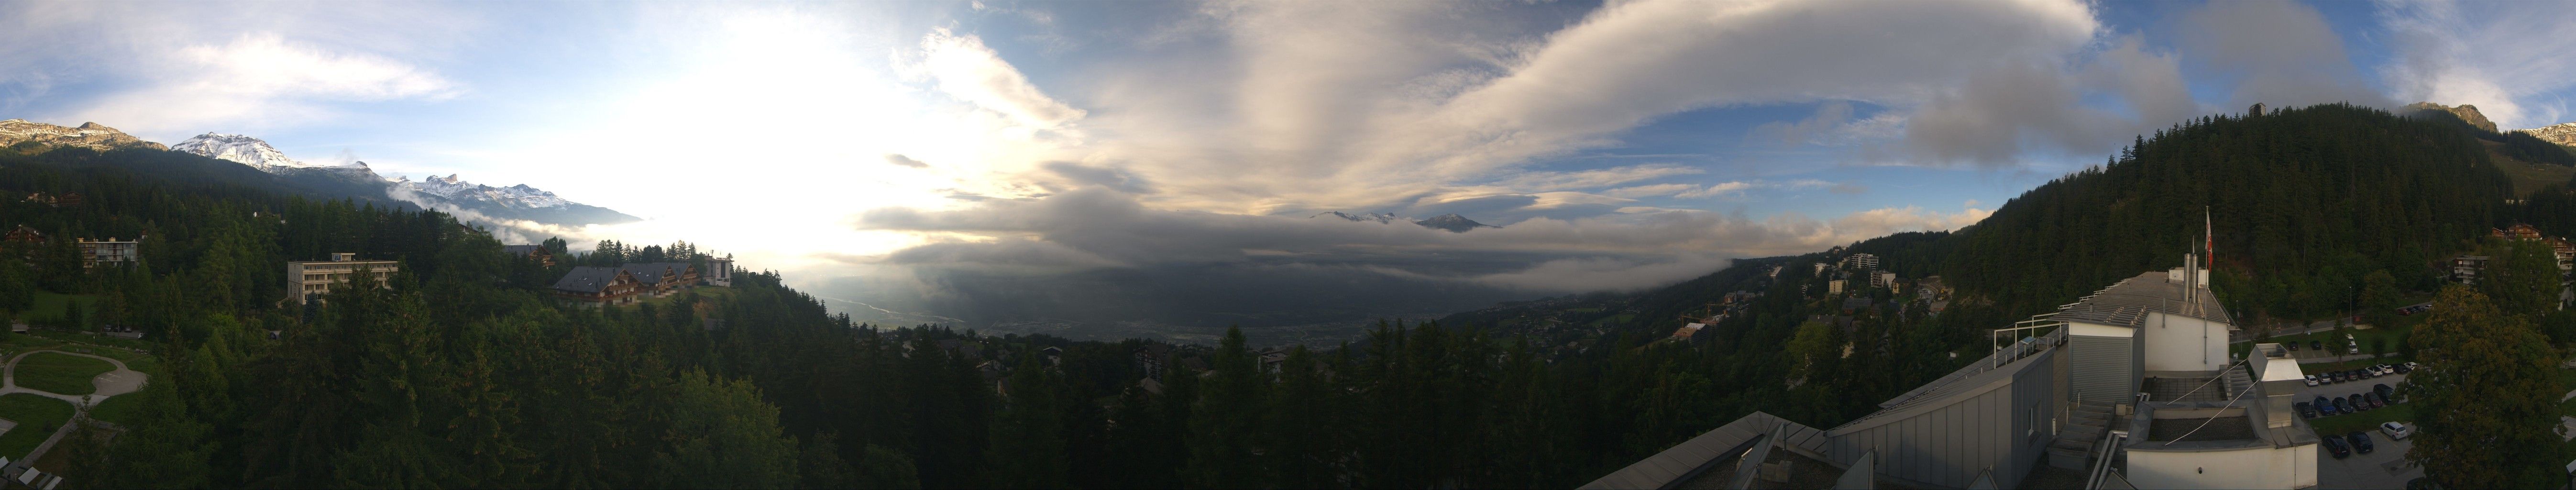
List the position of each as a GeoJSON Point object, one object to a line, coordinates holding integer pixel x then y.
{"type": "Point", "coordinates": [2104, 368]}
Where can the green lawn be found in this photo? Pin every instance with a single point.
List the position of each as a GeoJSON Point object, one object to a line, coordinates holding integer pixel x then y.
{"type": "Point", "coordinates": [49, 306]}
{"type": "Point", "coordinates": [36, 417]}
{"type": "Point", "coordinates": [61, 373]}
{"type": "Point", "coordinates": [119, 410]}
{"type": "Point", "coordinates": [2367, 420]}
{"type": "Point", "coordinates": [95, 339]}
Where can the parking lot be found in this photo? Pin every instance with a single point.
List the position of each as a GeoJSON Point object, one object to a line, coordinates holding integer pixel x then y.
{"type": "Point", "coordinates": [2385, 466]}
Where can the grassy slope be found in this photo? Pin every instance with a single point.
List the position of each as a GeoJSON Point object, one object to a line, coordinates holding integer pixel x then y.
{"type": "Point", "coordinates": [34, 415]}
{"type": "Point", "coordinates": [61, 373]}
{"type": "Point", "coordinates": [49, 306]}
{"type": "Point", "coordinates": [2528, 177]}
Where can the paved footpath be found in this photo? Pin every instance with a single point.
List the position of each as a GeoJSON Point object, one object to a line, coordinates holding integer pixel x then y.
{"type": "Point", "coordinates": [112, 383]}
{"type": "Point", "coordinates": [117, 382]}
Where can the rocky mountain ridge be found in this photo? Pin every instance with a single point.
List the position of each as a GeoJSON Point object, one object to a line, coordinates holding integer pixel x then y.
{"type": "Point", "coordinates": [2563, 134]}
{"type": "Point", "coordinates": [2468, 113]}
{"type": "Point", "coordinates": [89, 135]}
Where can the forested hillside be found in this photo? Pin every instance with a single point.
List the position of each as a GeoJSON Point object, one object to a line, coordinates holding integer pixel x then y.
{"type": "Point", "coordinates": [2305, 203]}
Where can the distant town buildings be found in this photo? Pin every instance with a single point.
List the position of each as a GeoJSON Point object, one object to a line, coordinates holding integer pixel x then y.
{"type": "Point", "coordinates": [94, 253]}
{"type": "Point", "coordinates": [1865, 262]}
{"type": "Point", "coordinates": [65, 200]}
{"type": "Point", "coordinates": [2467, 269]}
{"type": "Point", "coordinates": [544, 257]}
{"type": "Point", "coordinates": [308, 280]}
{"type": "Point", "coordinates": [1882, 279]}
{"type": "Point", "coordinates": [1688, 332]}
{"type": "Point", "coordinates": [1834, 286]}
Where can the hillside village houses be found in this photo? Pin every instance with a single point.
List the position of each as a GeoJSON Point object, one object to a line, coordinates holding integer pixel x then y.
{"type": "Point", "coordinates": [627, 283]}
{"type": "Point", "coordinates": [2466, 269]}
{"type": "Point", "coordinates": [543, 256]}
{"type": "Point", "coordinates": [309, 280]}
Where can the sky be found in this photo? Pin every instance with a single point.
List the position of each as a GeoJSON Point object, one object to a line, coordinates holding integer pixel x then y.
{"type": "Point", "coordinates": [1620, 145]}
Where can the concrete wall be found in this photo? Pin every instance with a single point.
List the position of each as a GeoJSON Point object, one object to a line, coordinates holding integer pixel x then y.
{"type": "Point", "coordinates": [2104, 362]}
{"type": "Point", "coordinates": [2291, 467]}
{"type": "Point", "coordinates": [2177, 343]}
{"type": "Point", "coordinates": [2004, 423]}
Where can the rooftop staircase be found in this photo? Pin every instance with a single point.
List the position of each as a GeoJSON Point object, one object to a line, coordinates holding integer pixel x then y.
{"type": "Point", "coordinates": [2073, 448]}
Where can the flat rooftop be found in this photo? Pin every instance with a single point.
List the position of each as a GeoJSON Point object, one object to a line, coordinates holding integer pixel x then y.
{"type": "Point", "coordinates": [2128, 302]}
{"type": "Point", "coordinates": [2217, 429]}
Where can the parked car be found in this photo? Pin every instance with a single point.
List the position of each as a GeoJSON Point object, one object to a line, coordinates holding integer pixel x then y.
{"type": "Point", "coordinates": [2373, 370]}
{"type": "Point", "coordinates": [2352, 348]}
{"type": "Point", "coordinates": [2312, 380]}
{"type": "Point", "coordinates": [2406, 368]}
{"type": "Point", "coordinates": [2384, 391]}
{"type": "Point", "coordinates": [2325, 407]}
{"type": "Point", "coordinates": [2334, 377]}
{"type": "Point", "coordinates": [2411, 365]}
{"type": "Point", "coordinates": [2292, 345]}
{"type": "Point", "coordinates": [2396, 430]}
{"type": "Point", "coordinates": [2374, 399]}
{"type": "Point", "coordinates": [2344, 405]}
{"type": "Point", "coordinates": [2358, 404]}
{"type": "Point", "coordinates": [2360, 441]}
{"type": "Point", "coordinates": [2316, 345]}
{"type": "Point", "coordinates": [2306, 411]}
{"type": "Point", "coordinates": [2335, 445]}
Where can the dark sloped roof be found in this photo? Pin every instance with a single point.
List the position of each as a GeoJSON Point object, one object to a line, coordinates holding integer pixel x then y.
{"type": "Point", "coordinates": [651, 273]}
{"type": "Point", "coordinates": [1689, 458]}
{"type": "Point", "coordinates": [2127, 303]}
{"type": "Point", "coordinates": [586, 279]}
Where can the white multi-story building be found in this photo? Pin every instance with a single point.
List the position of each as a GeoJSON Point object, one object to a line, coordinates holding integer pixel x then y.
{"type": "Point", "coordinates": [94, 253]}
{"type": "Point", "coordinates": [309, 280]}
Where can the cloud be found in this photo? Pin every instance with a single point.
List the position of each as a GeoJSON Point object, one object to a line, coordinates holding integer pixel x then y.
{"type": "Point", "coordinates": [1714, 190]}
{"type": "Point", "coordinates": [260, 78]}
{"type": "Point", "coordinates": [2507, 58]}
{"type": "Point", "coordinates": [966, 69]}
{"type": "Point", "coordinates": [904, 161]}
{"type": "Point", "coordinates": [2278, 53]}
{"type": "Point", "coordinates": [1099, 228]}
{"type": "Point", "coordinates": [1286, 107]}
{"type": "Point", "coordinates": [1650, 190]}
{"type": "Point", "coordinates": [1593, 178]}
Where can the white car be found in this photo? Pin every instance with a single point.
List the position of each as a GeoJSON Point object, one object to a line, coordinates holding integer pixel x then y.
{"type": "Point", "coordinates": [2312, 380]}
{"type": "Point", "coordinates": [2396, 430]}
{"type": "Point", "coordinates": [2374, 371]}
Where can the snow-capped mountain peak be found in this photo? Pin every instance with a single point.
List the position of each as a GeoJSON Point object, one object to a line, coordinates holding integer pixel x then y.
{"type": "Point", "coordinates": [453, 188]}
{"type": "Point", "coordinates": [1451, 222]}
{"type": "Point", "coordinates": [514, 202]}
{"type": "Point", "coordinates": [248, 151]}
{"type": "Point", "coordinates": [1377, 217]}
